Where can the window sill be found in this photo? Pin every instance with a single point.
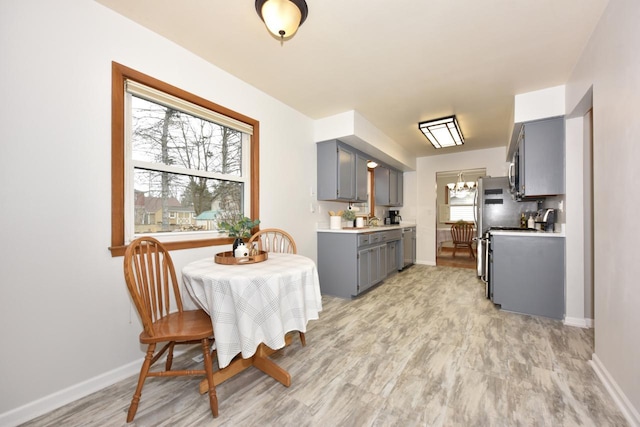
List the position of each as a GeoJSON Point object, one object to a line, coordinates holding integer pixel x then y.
{"type": "Point", "coordinates": [117, 251]}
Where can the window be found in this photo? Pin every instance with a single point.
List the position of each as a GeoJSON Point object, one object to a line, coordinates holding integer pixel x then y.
{"type": "Point", "coordinates": [458, 213]}
{"type": "Point", "coordinates": [461, 208]}
{"type": "Point", "coordinates": [178, 163]}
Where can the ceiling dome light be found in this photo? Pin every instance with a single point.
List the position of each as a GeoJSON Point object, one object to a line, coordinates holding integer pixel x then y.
{"type": "Point", "coordinates": [282, 17]}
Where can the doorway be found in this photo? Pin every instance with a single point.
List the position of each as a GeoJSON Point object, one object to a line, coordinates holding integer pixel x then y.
{"type": "Point", "coordinates": [579, 215]}
{"type": "Point", "coordinates": [452, 207]}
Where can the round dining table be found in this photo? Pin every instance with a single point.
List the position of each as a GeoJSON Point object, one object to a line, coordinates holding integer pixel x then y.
{"type": "Point", "coordinates": [253, 305]}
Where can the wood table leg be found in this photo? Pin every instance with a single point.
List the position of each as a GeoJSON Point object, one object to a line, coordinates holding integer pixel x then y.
{"type": "Point", "coordinates": [260, 360]}
{"type": "Point", "coordinates": [266, 365]}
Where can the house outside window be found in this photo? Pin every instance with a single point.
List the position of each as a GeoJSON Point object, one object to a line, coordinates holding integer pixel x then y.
{"type": "Point", "coordinates": [182, 158]}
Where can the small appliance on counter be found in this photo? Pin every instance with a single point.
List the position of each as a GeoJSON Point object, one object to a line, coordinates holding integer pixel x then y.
{"type": "Point", "coordinates": [394, 217]}
{"type": "Point", "coordinates": [549, 220]}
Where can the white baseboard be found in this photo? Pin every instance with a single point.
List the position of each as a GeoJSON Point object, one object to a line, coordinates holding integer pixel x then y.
{"type": "Point", "coordinates": [577, 322]}
{"type": "Point", "coordinates": [630, 413]}
{"type": "Point", "coordinates": [63, 397]}
{"type": "Point", "coordinates": [60, 398]}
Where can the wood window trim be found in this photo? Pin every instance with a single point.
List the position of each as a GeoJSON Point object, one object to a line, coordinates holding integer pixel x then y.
{"type": "Point", "coordinates": [119, 74]}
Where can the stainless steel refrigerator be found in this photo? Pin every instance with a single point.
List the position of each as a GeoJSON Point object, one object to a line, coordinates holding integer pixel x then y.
{"type": "Point", "coordinates": [494, 207]}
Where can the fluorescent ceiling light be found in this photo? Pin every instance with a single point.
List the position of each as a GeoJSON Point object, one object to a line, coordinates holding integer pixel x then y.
{"type": "Point", "coordinates": [444, 132]}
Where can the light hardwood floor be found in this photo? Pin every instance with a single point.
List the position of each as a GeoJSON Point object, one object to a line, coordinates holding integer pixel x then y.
{"type": "Point", "coordinates": [424, 349]}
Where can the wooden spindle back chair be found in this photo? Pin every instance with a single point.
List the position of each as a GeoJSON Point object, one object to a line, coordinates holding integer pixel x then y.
{"type": "Point", "coordinates": [462, 234]}
{"type": "Point", "coordinates": [152, 284]}
{"type": "Point", "coordinates": [274, 240]}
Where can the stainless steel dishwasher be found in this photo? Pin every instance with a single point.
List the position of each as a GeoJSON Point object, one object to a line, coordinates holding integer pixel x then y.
{"type": "Point", "coordinates": [408, 246]}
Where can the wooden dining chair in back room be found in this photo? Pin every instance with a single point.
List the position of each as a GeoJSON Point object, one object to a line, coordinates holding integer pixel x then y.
{"type": "Point", "coordinates": [276, 240]}
{"type": "Point", "coordinates": [462, 234]}
{"type": "Point", "coordinates": [151, 280]}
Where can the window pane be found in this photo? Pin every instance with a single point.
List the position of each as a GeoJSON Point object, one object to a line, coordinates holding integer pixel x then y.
{"type": "Point", "coordinates": [164, 135]}
{"type": "Point", "coordinates": [167, 202]}
{"type": "Point", "coordinates": [460, 212]}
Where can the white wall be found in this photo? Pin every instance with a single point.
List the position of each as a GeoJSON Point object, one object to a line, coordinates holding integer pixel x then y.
{"type": "Point", "coordinates": [539, 104]}
{"type": "Point", "coordinates": [493, 159]}
{"type": "Point", "coordinates": [611, 64]}
{"type": "Point", "coordinates": [66, 320]}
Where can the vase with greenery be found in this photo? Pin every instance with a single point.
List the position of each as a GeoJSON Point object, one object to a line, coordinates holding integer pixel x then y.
{"type": "Point", "coordinates": [238, 226]}
{"type": "Point", "coordinates": [350, 216]}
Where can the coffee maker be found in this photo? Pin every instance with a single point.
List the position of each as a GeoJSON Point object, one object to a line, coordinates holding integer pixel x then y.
{"type": "Point", "coordinates": [549, 220]}
{"type": "Point", "coordinates": [394, 217]}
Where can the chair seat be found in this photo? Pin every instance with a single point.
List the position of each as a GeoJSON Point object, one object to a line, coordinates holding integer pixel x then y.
{"type": "Point", "coordinates": [184, 326]}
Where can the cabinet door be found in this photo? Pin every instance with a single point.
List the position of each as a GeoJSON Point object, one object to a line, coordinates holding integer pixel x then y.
{"type": "Point", "coordinates": [364, 269]}
{"type": "Point", "coordinates": [542, 158]}
{"type": "Point", "coordinates": [400, 188]}
{"type": "Point", "coordinates": [392, 263]}
{"type": "Point", "coordinates": [382, 262]}
{"type": "Point", "coordinates": [393, 187]}
{"type": "Point", "coordinates": [361, 172]}
{"type": "Point", "coordinates": [346, 174]}
{"type": "Point", "coordinates": [381, 175]}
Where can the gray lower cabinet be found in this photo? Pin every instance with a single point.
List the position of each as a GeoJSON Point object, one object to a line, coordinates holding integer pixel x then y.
{"type": "Point", "coordinates": [350, 263]}
{"type": "Point", "coordinates": [527, 274]}
{"type": "Point", "coordinates": [392, 256]}
{"type": "Point", "coordinates": [372, 263]}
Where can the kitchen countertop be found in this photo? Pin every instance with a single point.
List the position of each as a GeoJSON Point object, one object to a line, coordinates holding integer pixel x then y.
{"type": "Point", "coordinates": [528, 233]}
{"type": "Point", "coordinates": [368, 229]}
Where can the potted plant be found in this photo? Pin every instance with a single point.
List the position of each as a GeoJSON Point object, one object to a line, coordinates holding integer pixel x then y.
{"type": "Point", "coordinates": [349, 215]}
{"type": "Point", "coordinates": [238, 226]}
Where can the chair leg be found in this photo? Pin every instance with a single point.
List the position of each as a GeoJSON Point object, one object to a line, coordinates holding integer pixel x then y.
{"type": "Point", "coordinates": [170, 356]}
{"type": "Point", "coordinates": [303, 340]}
{"type": "Point", "coordinates": [133, 408]}
{"type": "Point", "coordinates": [454, 250]}
{"type": "Point", "coordinates": [208, 368]}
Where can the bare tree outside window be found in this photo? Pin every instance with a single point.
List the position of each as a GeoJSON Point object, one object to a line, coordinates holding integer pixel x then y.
{"type": "Point", "coordinates": [184, 198]}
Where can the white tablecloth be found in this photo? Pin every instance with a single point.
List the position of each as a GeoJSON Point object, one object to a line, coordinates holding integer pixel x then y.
{"type": "Point", "coordinates": [443, 235]}
{"type": "Point", "coordinates": [256, 303]}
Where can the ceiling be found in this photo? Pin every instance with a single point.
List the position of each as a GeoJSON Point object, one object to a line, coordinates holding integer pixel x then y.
{"type": "Point", "coordinates": [396, 63]}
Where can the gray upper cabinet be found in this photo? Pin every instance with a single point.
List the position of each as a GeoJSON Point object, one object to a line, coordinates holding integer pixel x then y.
{"type": "Point", "coordinates": [381, 178]}
{"type": "Point", "coordinates": [541, 158]}
{"type": "Point", "coordinates": [362, 189]}
{"type": "Point", "coordinates": [342, 172]}
{"type": "Point", "coordinates": [388, 186]}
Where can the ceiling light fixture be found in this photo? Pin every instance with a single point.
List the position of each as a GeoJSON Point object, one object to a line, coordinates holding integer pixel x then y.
{"type": "Point", "coordinates": [444, 132]}
{"type": "Point", "coordinates": [282, 17]}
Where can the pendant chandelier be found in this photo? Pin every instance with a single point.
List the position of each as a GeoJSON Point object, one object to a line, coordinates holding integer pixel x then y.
{"type": "Point", "coordinates": [461, 188]}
